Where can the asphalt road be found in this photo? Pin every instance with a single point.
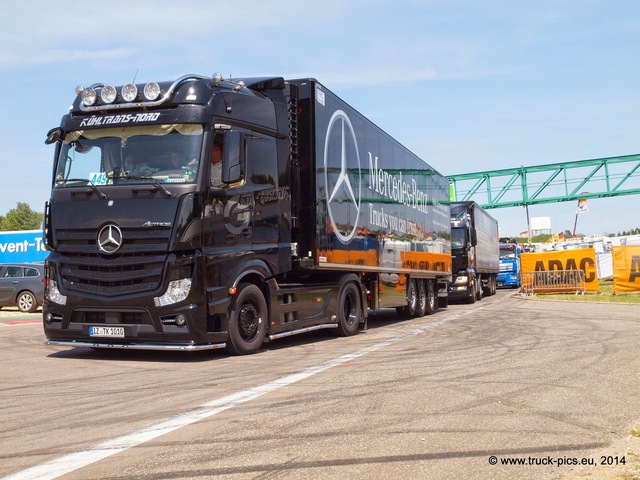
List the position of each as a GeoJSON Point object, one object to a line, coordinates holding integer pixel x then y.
{"type": "Point", "coordinates": [520, 383]}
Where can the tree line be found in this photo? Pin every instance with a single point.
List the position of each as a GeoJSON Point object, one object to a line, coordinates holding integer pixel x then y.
{"type": "Point", "coordinates": [635, 231]}
{"type": "Point", "coordinates": [21, 218]}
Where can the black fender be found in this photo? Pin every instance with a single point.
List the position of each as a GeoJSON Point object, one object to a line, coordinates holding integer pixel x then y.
{"type": "Point", "coordinates": [253, 271]}
{"type": "Point", "coordinates": [254, 268]}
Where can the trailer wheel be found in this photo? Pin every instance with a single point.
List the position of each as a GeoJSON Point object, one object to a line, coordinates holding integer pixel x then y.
{"type": "Point", "coordinates": [412, 299]}
{"type": "Point", "coordinates": [248, 320]}
{"type": "Point", "coordinates": [422, 298]}
{"type": "Point", "coordinates": [432, 300]}
{"type": "Point", "coordinates": [349, 309]}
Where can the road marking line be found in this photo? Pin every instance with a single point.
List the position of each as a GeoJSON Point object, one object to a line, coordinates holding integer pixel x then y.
{"type": "Point", "coordinates": [74, 461]}
{"type": "Point", "coordinates": [13, 323]}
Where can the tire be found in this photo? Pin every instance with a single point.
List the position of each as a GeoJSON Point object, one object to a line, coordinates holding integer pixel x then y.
{"type": "Point", "coordinates": [349, 309]}
{"type": "Point", "coordinates": [26, 302]}
{"type": "Point", "coordinates": [479, 288]}
{"type": "Point", "coordinates": [472, 294]}
{"type": "Point", "coordinates": [491, 287]}
{"type": "Point", "coordinates": [422, 298]}
{"type": "Point", "coordinates": [412, 299]}
{"type": "Point", "coordinates": [248, 320]}
{"type": "Point", "coordinates": [486, 292]}
{"type": "Point", "coordinates": [432, 299]}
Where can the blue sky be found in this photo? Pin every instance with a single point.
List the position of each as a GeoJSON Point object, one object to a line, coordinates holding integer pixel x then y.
{"type": "Point", "coordinates": [467, 85]}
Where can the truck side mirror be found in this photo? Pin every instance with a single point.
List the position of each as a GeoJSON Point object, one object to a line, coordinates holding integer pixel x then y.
{"type": "Point", "coordinates": [473, 237]}
{"type": "Point", "coordinates": [232, 156]}
{"type": "Point", "coordinates": [53, 136]}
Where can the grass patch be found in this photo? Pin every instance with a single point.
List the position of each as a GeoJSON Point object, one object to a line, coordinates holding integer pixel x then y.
{"type": "Point", "coordinates": [605, 294]}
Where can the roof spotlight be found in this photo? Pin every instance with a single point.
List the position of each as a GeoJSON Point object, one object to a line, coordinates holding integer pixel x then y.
{"type": "Point", "coordinates": [129, 92]}
{"type": "Point", "coordinates": [89, 96]}
{"type": "Point", "coordinates": [151, 91]}
{"type": "Point", "coordinates": [108, 94]}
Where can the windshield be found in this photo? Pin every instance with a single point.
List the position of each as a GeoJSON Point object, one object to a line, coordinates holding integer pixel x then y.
{"type": "Point", "coordinates": [506, 253]}
{"type": "Point", "coordinates": [458, 237]}
{"type": "Point", "coordinates": [141, 154]}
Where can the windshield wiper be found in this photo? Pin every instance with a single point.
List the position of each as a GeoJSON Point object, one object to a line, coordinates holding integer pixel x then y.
{"type": "Point", "coordinates": [154, 180]}
{"type": "Point", "coordinates": [99, 192]}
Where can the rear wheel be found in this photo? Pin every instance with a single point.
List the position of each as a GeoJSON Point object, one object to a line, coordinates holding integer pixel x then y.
{"type": "Point", "coordinates": [349, 309]}
{"type": "Point", "coordinates": [422, 298]}
{"type": "Point", "coordinates": [432, 300]}
{"type": "Point", "coordinates": [247, 320]}
{"type": "Point", "coordinates": [412, 299]}
{"type": "Point", "coordinates": [26, 302]}
{"type": "Point", "coordinates": [491, 286]}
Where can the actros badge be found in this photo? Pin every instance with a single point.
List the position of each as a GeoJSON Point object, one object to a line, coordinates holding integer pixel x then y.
{"type": "Point", "coordinates": [342, 176]}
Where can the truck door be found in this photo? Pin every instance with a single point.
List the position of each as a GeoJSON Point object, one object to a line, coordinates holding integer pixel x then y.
{"type": "Point", "coordinates": [229, 209]}
{"type": "Point", "coordinates": [245, 202]}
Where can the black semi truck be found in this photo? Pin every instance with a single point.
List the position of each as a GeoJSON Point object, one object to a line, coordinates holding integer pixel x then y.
{"type": "Point", "coordinates": [475, 252]}
{"type": "Point", "coordinates": [203, 212]}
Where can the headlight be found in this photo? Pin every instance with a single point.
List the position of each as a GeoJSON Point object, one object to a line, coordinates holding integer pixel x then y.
{"type": "Point", "coordinates": [462, 280]}
{"type": "Point", "coordinates": [53, 294]}
{"type": "Point", "coordinates": [177, 291]}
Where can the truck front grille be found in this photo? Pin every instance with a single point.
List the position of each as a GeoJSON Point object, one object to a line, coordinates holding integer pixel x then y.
{"type": "Point", "coordinates": [136, 267]}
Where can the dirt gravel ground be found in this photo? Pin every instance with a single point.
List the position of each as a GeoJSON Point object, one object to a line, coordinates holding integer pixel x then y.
{"type": "Point", "coordinates": [627, 448]}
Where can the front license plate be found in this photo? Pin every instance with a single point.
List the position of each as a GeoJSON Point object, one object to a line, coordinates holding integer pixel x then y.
{"type": "Point", "coordinates": [117, 332]}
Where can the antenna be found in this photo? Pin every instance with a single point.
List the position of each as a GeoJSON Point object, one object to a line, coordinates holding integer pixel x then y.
{"type": "Point", "coordinates": [134, 77]}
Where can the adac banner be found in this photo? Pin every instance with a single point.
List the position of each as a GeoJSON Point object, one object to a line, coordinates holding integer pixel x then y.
{"type": "Point", "coordinates": [626, 268]}
{"type": "Point", "coordinates": [22, 247]}
{"type": "Point", "coordinates": [578, 259]}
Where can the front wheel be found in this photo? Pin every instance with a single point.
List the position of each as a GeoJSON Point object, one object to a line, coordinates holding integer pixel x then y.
{"type": "Point", "coordinates": [349, 309]}
{"type": "Point", "coordinates": [472, 293]}
{"type": "Point", "coordinates": [248, 320]}
{"type": "Point", "coordinates": [27, 302]}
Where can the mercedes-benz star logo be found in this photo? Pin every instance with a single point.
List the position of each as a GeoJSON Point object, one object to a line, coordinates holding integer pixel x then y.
{"type": "Point", "coordinates": [343, 201]}
{"type": "Point", "coordinates": [110, 238]}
